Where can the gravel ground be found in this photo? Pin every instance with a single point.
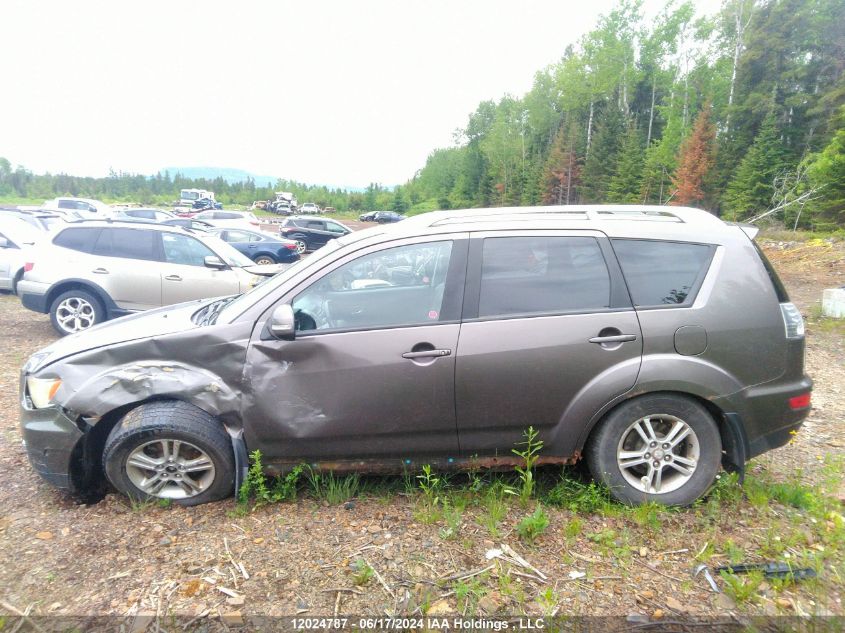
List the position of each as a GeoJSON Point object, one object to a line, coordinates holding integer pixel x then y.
{"type": "Point", "coordinates": [305, 557]}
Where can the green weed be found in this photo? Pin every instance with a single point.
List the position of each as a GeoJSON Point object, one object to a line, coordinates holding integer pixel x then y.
{"type": "Point", "coordinates": [579, 497]}
{"type": "Point", "coordinates": [532, 447]}
{"type": "Point", "coordinates": [256, 486]}
{"type": "Point", "coordinates": [533, 525]}
{"type": "Point", "coordinates": [362, 572]}
{"type": "Point", "coordinates": [742, 588]}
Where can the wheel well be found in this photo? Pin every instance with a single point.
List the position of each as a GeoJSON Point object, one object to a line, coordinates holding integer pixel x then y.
{"type": "Point", "coordinates": [89, 481]}
{"type": "Point", "coordinates": [734, 448]}
{"type": "Point", "coordinates": [15, 281]}
{"type": "Point", "coordinates": [75, 285]}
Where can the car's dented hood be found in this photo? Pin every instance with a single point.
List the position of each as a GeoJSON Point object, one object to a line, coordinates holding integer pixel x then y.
{"type": "Point", "coordinates": [152, 323]}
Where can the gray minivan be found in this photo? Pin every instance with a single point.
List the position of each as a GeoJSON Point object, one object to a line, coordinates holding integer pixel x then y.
{"type": "Point", "coordinates": [655, 342]}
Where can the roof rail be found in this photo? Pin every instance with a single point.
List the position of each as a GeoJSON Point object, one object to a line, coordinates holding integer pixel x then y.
{"type": "Point", "coordinates": [598, 213]}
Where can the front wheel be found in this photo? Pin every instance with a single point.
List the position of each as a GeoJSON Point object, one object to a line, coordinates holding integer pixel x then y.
{"type": "Point", "coordinates": [663, 448]}
{"type": "Point", "coordinates": [170, 450]}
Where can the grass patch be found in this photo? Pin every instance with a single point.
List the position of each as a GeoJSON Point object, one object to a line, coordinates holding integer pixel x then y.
{"type": "Point", "coordinates": [333, 489]}
{"type": "Point", "coordinates": [263, 491]}
{"type": "Point", "coordinates": [579, 497]}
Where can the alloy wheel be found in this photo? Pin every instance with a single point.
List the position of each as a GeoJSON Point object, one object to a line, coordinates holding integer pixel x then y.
{"type": "Point", "coordinates": [170, 469]}
{"type": "Point", "coordinates": [658, 453]}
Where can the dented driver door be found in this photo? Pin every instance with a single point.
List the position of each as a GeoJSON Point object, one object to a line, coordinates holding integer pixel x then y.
{"type": "Point", "coordinates": [370, 373]}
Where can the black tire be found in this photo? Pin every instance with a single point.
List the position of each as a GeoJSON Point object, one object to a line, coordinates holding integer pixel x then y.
{"type": "Point", "coordinates": [663, 411]}
{"type": "Point", "coordinates": [265, 259]}
{"type": "Point", "coordinates": [145, 428]}
{"type": "Point", "coordinates": [91, 312]}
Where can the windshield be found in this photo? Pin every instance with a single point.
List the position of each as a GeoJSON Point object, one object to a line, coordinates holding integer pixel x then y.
{"type": "Point", "coordinates": [227, 253]}
{"type": "Point", "coordinates": [241, 303]}
{"type": "Point", "coordinates": [189, 195]}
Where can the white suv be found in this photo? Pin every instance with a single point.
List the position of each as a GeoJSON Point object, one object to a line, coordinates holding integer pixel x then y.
{"type": "Point", "coordinates": [80, 207]}
{"type": "Point", "coordinates": [94, 271]}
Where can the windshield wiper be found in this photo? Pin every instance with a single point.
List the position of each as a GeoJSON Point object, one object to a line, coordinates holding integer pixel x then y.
{"type": "Point", "coordinates": [214, 310]}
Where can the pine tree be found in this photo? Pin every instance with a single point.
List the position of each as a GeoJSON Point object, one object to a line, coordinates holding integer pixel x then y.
{"type": "Point", "coordinates": [695, 160]}
{"type": "Point", "coordinates": [750, 190]}
{"type": "Point", "coordinates": [627, 178]}
{"type": "Point", "coordinates": [827, 172]}
{"type": "Point", "coordinates": [562, 172]}
{"type": "Point", "coordinates": [604, 154]}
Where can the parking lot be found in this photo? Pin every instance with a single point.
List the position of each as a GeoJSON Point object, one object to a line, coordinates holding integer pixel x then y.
{"type": "Point", "coordinates": [302, 557]}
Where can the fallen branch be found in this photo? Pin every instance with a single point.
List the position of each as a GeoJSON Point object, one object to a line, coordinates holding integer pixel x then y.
{"type": "Point", "coordinates": [507, 549]}
{"type": "Point", "coordinates": [466, 574]}
{"type": "Point", "coordinates": [23, 615]}
{"type": "Point", "coordinates": [381, 580]}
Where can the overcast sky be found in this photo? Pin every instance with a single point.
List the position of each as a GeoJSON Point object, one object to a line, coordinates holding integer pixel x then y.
{"type": "Point", "coordinates": [340, 93]}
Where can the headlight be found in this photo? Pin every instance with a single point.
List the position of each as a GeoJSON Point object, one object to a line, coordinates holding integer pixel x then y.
{"type": "Point", "coordinates": [35, 361]}
{"type": "Point", "coordinates": [42, 390]}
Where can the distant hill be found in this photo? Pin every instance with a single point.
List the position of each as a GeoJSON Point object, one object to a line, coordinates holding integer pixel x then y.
{"type": "Point", "coordinates": [228, 174]}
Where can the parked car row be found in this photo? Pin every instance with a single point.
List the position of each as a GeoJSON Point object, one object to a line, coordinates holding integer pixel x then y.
{"type": "Point", "coordinates": [381, 217]}
{"type": "Point", "coordinates": [84, 271]}
{"type": "Point", "coordinates": [310, 233]}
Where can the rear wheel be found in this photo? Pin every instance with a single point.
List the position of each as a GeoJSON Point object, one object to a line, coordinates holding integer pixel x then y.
{"type": "Point", "coordinates": [264, 259]}
{"type": "Point", "coordinates": [301, 246]}
{"type": "Point", "coordinates": [664, 448]}
{"type": "Point", "coordinates": [76, 310]}
{"type": "Point", "coordinates": [170, 450]}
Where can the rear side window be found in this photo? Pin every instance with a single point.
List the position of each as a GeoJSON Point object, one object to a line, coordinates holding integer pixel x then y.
{"type": "Point", "coordinates": [662, 273]}
{"type": "Point", "coordinates": [226, 216]}
{"type": "Point", "coordinates": [780, 291]}
{"type": "Point", "coordinates": [77, 239]}
{"type": "Point", "coordinates": [128, 243]}
{"type": "Point", "coordinates": [542, 275]}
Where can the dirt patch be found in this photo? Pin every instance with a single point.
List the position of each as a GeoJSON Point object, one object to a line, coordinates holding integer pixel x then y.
{"type": "Point", "coordinates": [310, 557]}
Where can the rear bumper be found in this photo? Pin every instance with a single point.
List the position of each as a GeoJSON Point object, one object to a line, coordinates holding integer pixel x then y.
{"type": "Point", "coordinates": [767, 419]}
{"type": "Point", "coordinates": [33, 295]}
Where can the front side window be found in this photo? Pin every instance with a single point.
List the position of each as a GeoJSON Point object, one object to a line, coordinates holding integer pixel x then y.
{"type": "Point", "coordinates": [661, 273]}
{"type": "Point", "coordinates": [184, 250]}
{"type": "Point", "coordinates": [127, 243]}
{"type": "Point", "coordinates": [542, 275]}
{"type": "Point", "coordinates": [334, 227]}
{"type": "Point", "coordinates": [395, 287]}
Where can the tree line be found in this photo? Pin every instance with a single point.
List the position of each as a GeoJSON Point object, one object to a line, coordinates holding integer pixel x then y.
{"type": "Point", "coordinates": [738, 113]}
{"type": "Point", "coordinates": [741, 113]}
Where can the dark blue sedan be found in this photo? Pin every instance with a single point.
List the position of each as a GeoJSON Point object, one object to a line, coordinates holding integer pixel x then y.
{"type": "Point", "coordinates": [262, 248]}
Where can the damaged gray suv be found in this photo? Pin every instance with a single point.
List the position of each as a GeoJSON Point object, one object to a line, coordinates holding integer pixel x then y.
{"type": "Point", "coordinates": [656, 343]}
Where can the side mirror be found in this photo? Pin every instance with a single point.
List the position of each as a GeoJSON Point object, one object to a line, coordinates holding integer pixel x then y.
{"type": "Point", "coordinates": [282, 324]}
{"type": "Point", "coordinates": [212, 261]}
{"type": "Point", "coordinates": [4, 243]}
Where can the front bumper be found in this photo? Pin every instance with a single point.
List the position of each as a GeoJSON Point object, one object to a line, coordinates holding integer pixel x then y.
{"type": "Point", "coordinates": [51, 439]}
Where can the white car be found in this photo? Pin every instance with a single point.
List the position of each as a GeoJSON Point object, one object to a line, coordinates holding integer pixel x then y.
{"type": "Point", "coordinates": [17, 240]}
{"type": "Point", "coordinates": [156, 215]}
{"type": "Point", "coordinates": [79, 207]}
{"type": "Point", "coordinates": [230, 219]}
{"type": "Point", "coordinates": [309, 208]}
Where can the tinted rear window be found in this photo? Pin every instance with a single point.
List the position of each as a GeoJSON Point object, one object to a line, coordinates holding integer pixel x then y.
{"type": "Point", "coordinates": [77, 239]}
{"type": "Point", "coordinates": [662, 273]}
{"type": "Point", "coordinates": [525, 275]}
{"type": "Point", "coordinates": [128, 243]}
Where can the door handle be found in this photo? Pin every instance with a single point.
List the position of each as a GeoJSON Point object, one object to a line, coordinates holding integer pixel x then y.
{"type": "Point", "coordinates": [429, 353]}
{"type": "Point", "coordinates": [617, 338]}
{"type": "Point", "coordinates": [173, 278]}
{"type": "Point", "coordinates": [100, 271]}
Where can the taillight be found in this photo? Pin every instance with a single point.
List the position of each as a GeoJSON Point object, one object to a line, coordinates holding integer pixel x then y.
{"type": "Point", "coordinates": [28, 266]}
{"type": "Point", "coordinates": [792, 320]}
{"type": "Point", "coordinates": [800, 402]}
{"type": "Point", "coordinates": [291, 246]}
